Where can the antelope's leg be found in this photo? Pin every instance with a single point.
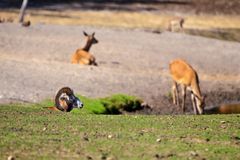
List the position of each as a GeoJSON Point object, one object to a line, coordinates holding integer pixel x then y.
{"type": "Point", "coordinates": [194, 103]}
{"type": "Point", "coordinates": [175, 94]}
{"type": "Point", "coordinates": [183, 97]}
{"type": "Point", "coordinates": [84, 61]}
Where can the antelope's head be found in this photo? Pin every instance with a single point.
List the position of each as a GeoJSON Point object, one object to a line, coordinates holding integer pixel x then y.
{"type": "Point", "coordinates": [65, 100]}
{"type": "Point", "coordinates": [200, 104]}
{"type": "Point", "coordinates": [90, 38]}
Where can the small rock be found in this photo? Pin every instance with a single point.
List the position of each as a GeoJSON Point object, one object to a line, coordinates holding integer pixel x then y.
{"type": "Point", "coordinates": [111, 158]}
{"type": "Point", "coordinates": [205, 128]}
{"type": "Point", "coordinates": [85, 138]}
{"type": "Point", "coordinates": [159, 140]}
{"type": "Point", "coordinates": [158, 156]}
{"type": "Point", "coordinates": [235, 138]}
{"type": "Point", "coordinates": [181, 137]}
{"type": "Point", "coordinates": [44, 129]}
{"type": "Point", "coordinates": [89, 158]}
{"type": "Point", "coordinates": [110, 136]}
{"type": "Point", "coordinates": [223, 126]}
{"type": "Point", "coordinates": [170, 155]}
{"type": "Point", "coordinates": [11, 158]}
{"type": "Point", "coordinates": [104, 156]}
{"type": "Point", "coordinates": [222, 122]}
{"type": "Point", "coordinates": [193, 153]}
{"type": "Point", "coordinates": [141, 133]}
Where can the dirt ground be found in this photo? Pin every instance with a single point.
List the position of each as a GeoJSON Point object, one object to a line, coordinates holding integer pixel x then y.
{"type": "Point", "coordinates": [35, 63]}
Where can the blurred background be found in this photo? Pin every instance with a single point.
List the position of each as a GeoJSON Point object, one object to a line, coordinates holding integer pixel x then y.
{"type": "Point", "coordinates": [211, 18]}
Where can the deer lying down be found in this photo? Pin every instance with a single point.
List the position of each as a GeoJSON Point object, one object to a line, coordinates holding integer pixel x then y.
{"type": "Point", "coordinates": [82, 55]}
{"type": "Point", "coordinates": [183, 74]}
{"type": "Point", "coordinates": [65, 100]}
{"type": "Point", "coordinates": [224, 109]}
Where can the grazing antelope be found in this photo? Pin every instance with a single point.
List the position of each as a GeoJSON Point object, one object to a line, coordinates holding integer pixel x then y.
{"type": "Point", "coordinates": [176, 24]}
{"type": "Point", "coordinates": [65, 100]}
{"type": "Point", "coordinates": [82, 56]}
{"type": "Point", "coordinates": [183, 74]}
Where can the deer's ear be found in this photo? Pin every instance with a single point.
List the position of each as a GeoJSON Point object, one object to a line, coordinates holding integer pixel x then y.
{"type": "Point", "coordinates": [85, 34]}
{"type": "Point", "coordinates": [93, 34]}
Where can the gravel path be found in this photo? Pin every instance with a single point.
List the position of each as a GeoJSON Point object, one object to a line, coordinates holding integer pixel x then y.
{"type": "Point", "coordinates": [35, 62]}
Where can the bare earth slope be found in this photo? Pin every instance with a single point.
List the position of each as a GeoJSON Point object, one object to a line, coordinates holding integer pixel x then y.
{"type": "Point", "coordinates": [35, 63]}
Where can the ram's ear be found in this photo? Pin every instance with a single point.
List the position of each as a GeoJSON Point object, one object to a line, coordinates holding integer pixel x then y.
{"type": "Point", "coordinates": [85, 34]}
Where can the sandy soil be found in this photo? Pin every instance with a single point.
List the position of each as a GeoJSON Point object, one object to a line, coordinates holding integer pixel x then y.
{"type": "Point", "coordinates": [35, 63]}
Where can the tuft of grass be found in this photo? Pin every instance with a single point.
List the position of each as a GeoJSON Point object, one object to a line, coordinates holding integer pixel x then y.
{"type": "Point", "coordinates": [118, 102]}
{"type": "Point", "coordinates": [115, 104]}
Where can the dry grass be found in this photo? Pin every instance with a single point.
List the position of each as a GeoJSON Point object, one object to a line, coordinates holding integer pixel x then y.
{"type": "Point", "coordinates": [209, 22]}
{"type": "Point", "coordinates": [219, 27]}
{"type": "Point", "coordinates": [123, 19]}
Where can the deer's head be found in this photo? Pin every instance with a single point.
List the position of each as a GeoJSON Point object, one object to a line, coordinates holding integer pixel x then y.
{"type": "Point", "coordinates": [90, 38]}
{"type": "Point", "coordinates": [65, 100]}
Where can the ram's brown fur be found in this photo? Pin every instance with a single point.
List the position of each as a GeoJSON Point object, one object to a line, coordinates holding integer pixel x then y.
{"type": "Point", "coordinates": [65, 101]}
{"type": "Point", "coordinates": [53, 108]}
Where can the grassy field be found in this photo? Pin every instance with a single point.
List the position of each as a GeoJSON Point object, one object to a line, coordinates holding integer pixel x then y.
{"type": "Point", "coordinates": [32, 132]}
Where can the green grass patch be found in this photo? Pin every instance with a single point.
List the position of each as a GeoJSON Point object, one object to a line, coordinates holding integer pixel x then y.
{"type": "Point", "coordinates": [32, 132]}
{"type": "Point", "coordinates": [115, 104]}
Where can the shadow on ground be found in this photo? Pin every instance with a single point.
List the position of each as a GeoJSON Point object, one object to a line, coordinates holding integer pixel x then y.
{"type": "Point", "coordinates": [163, 104]}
